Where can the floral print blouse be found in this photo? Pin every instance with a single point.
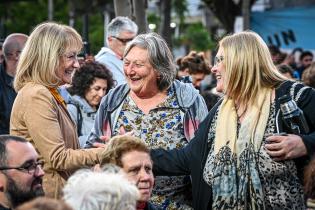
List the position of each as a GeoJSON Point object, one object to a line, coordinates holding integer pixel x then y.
{"type": "Point", "coordinates": [162, 127]}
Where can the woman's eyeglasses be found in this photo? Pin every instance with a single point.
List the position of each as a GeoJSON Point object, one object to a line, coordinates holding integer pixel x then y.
{"type": "Point", "coordinates": [218, 60]}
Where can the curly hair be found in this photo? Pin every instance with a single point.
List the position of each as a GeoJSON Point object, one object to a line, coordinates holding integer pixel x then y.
{"type": "Point", "coordinates": [84, 77]}
{"type": "Point", "coordinates": [195, 62]}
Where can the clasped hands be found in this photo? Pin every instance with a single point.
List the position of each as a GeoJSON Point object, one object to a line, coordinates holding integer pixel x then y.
{"type": "Point", "coordinates": [285, 147]}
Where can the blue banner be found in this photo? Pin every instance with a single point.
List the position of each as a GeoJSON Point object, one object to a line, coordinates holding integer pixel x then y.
{"type": "Point", "coordinates": [286, 28]}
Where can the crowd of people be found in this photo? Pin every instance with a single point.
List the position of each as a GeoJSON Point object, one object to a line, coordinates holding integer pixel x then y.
{"type": "Point", "coordinates": [134, 129]}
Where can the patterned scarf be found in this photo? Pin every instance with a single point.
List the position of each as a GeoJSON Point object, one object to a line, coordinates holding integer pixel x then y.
{"type": "Point", "coordinates": [235, 179]}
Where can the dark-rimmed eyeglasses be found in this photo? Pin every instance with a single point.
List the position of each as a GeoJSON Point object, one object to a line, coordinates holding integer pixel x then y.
{"type": "Point", "coordinates": [16, 54]}
{"type": "Point", "coordinates": [218, 60]}
{"type": "Point", "coordinates": [30, 167]}
{"type": "Point", "coordinates": [124, 41]}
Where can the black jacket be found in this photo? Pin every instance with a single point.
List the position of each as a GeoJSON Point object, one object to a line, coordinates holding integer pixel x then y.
{"type": "Point", "coordinates": [3, 208]}
{"type": "Point", "coordinates": [7, 96]}
{"type": "Point", "coordinates": [191, 159]}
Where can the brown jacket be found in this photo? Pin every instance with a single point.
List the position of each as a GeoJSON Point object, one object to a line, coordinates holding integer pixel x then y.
{"type": "Point", "coordinates": [38, 117]}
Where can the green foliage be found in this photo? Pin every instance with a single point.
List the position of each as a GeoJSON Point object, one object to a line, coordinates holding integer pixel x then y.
{"type": "Point", "coordinates": [153, 18]}
{"type": "Point", "coordinates": [96, 33]}
{"type": "Point", "coordinates": [180, 8]}
{"type": "Point", "coordinates": [23, 16]}
{"type": "Point", "coordinates": [196, 37]}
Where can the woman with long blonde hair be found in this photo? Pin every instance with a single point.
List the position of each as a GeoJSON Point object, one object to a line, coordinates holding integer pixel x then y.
{"type": "Point", "coordinates": [240, 158]}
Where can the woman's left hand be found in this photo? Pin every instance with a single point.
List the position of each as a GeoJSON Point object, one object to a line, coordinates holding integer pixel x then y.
{"type": "Point", "coordinates": [285, 147]}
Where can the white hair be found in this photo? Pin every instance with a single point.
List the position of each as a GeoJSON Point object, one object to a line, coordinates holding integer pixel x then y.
{"type": "Point", "coordinates": [89, 190]}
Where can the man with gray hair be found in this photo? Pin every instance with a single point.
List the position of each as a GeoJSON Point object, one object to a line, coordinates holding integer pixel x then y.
{"type": "Point", "coordinates": [119, 32]}
{"type": "Point", "coordinates": [12, 48]}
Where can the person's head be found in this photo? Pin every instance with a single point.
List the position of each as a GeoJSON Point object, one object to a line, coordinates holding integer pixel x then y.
{"type": "Point", "coordinates": [308, 76]}
{"type": "Point", "coordinates": [182, 71]}
{"type": "Point", "coordinates": [49, 57]}
{"type": "Point", "coordinates": [286, 71]}
{"type": "Point", "coordinates": [12, 48]}
{"type": "Point", "coordinates": [306, 58]}
{"type": "Point", "coordinates": [243, 66]}
{"type": "Point", "coordinates": [133, 156]}
{"type": "Point", "coordinates": [43, 203]}
{"type": "Point", "coordinates": [120, 31]}
{"type": "Point", "coordinates": [276, 54]}
{"type": "Point", "coordinates": [148, 64]}
{"type": "Point", "coordinates": [90, 190]}
{"type": "Point", "coordinates": [91, 81]}
{"type": "Point", "coordinates": [21, 171]}
{"type": "Point", "coordinates": [197, 67]}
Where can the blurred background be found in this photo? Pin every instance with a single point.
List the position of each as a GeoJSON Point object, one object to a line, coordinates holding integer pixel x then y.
{"type": "Point", "coordinates": [185, 24]}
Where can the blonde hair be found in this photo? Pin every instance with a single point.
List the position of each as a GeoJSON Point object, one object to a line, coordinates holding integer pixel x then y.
{"type": "Point", "coordinates": [41, 56]}
{"type": "Point", "coordinates": [248, 67]}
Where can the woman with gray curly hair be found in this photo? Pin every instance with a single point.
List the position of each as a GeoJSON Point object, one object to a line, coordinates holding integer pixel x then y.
{"type": "Point", "coordinates": [103, 190]}
{"type": "Point", "coordinates": [160, 110]}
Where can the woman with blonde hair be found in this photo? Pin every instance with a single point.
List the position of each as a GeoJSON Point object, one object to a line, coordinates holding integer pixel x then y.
{"type": "Point", "coordinates": [240, 157]}
{"type": "Point", "coordinates": [39, 113]}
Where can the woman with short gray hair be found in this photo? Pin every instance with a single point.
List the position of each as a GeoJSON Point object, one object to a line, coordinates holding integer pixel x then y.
{"type": "Point", "coordinates": [160, 110]}
{"type": "Point", "coordinates": [90, 190]}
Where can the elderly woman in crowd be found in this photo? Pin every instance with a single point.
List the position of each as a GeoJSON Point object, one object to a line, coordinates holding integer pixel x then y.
{"type": "Point", "coordinates": [100, 190]}
{"type": "Point", "coordinates": [133, 156]}
{"type": "Point", "coordinates": [89, 84]}
{"type": "Point", "coordinates": [238, 158]}
{"type": "Point", "coordinates": [161, 111]}
{"type": "Point", "coordinates": [39, 113]}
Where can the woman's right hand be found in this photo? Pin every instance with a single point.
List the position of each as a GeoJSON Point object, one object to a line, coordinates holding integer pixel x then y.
{"type": "Point", "coordinates": [106, 139]}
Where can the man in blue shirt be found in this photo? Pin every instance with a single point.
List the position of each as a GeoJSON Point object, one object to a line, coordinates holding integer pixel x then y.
{"type": "Point", "coordinates": [12, 47]}
{"type": "Point", "coordinates": [119, 31]}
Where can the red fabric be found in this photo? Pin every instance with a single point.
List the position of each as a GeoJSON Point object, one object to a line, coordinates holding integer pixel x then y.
{"type": "Point", "coordinates": [141, 205]}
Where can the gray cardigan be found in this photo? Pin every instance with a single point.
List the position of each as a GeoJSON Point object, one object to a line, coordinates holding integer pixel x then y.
{"type": "Point", "coordinates": [192, 105]}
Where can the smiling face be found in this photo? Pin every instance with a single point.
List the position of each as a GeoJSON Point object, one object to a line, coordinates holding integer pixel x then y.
{"type": "Point", "coordinates": [218, 70]}
{"type": "Point", "coordinates": [96, 91]}
{"type": "Point", "coordinates": [140, 75]}
{"type": "Point", "coordinates": [138, 167]}
{"type": "Point", "coordinates": [68, 64]}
